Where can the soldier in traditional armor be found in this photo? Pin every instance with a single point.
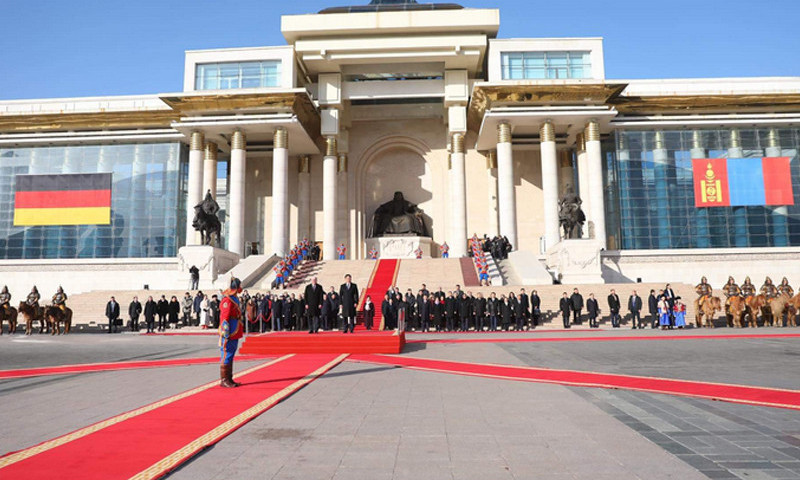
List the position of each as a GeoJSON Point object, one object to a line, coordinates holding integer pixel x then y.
{"type": "Point", "coordinates": [785, 289]}
{"type": "Point", "coordinates": [60, 299]}
{"type": "Point", "coordinates": [5, 298]}
{"type": "Point", "coordinates": [33, 298]}
{"type": "Point", "coordinates": [748, 289]}
{"type": "Point", "coordinates": [768, 289]}
{"type": "Point", "coordinates": [703, 290]}
{"type": "Point", "coordinates": [731, 290]}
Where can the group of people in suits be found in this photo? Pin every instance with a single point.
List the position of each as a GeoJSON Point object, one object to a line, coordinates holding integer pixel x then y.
{"type": "Point", "coordinates": [665, 302]}
{"type": "Point", "coordinates": [167, 313]}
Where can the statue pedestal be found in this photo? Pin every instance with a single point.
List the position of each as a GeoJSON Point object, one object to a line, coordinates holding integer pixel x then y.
{"type": "Point", "coordinates": [400, 246]}
{"type": "Point", "coordinates": [577, 261]}
{"type": "Point", "coordinates": [211, 261]}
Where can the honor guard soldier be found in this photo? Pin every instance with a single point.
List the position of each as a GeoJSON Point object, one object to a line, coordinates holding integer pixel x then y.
{"type": "Point", "coordinates": [373, 254]}
{"type": "Point", "coordinates": [445, 250]}
{"type": "Point", "coordinates": [768, 289]}
{"type": "Point", "coordinates": [5, 299]}
{"type": "Point", "coordinates": [60, 299]}
{"type": "Point", "coordinates": [785, 289]}
{"type": "Point", "coordinates": [33, 298]}
{"type": "Point", "coordinates": [342, 251]}
{"type": "Point", "coordinates": [418, 253]}
{"type": "Point", "coordinates": [703, 290]}
{"type": "Point", "coordinates": [731, 290]}
{"type": "Point", "coordinates": [748, 289]}
{"type": "Point", "coordinates": [230, 331]}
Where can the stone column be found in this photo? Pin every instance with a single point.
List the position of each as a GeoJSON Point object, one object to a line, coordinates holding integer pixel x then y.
{"type": "Point", "coordinates": [547, 138]}
{"type": "Point", "coordinates": [195, 184]}
{"type": "Point", "coordinates": [280, 192]}
{"type": "Point", "coordinates": [342, 212]}
{"type": "Point", "coordinates": [780, 236]}
{"type": "Point", "coordinates": [506, 196]}
{"type": "Point", "coordinates": [210, 170]}
{"type": "Point", "coordinates": [304, 198]}
{"type": "Point", "coordinates": [740, 236]}
{"type": "Point", "coordinates": [329, 183]}
{"type": "Point", "coordinates": [458, 244]}
{"type": "Point", "coordinates": [594, 161]}
{"type": "Point", "coordinates": [236, 196]}
{"type": "Point", "coordinates": [703, 236]}
{"type": "Point", "coordinates": [491, 169]}
{"type": "Point", "coordinates": [660, 166]}
{"type": "Point", "coordinates": [583, 181]}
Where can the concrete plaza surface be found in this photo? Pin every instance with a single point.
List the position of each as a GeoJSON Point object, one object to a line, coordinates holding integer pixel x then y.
{"type": "Point", "coordinates": [365, 421]}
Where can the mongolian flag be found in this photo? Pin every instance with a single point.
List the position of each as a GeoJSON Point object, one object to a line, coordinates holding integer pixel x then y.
{"type": "Point", "coordinates": [737, 182]}
{"type": "Point", "coordinates": [63, 199]}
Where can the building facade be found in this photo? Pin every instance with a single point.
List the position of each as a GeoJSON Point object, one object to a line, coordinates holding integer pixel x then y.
{"type": "Point", "coordinates": [485, 135]}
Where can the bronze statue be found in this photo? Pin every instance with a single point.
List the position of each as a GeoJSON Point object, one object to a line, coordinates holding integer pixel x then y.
{"type": "Point", "coordinates": [570, 214]}
{"type": "Point", "coordinates": [398, 217]}
{"type": "Point", "coordinates": [206, 220]}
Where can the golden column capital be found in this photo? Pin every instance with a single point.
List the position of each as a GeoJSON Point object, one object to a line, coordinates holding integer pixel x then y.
{"type": "Point", "coordinates": [773, 139]}
{"type": "Point", "coordinates": [659, 140]}
{"type": "Point", "coordinates": [622, 141]}
{"type": "Point", "coordinates": [580, 142]}
{"type": "Point", "coordinates": [198, 141]}
{"type": "Point", "coordinates": [491, 159]}
{"type": "Point", "coordinates": [547, 133]}
{"type": "Point", "coordinates": [457, 143]}
{"type": "Point", "coordinates": [304, 164]}
{"type": "Point", "coordinates": [592, 132]}
{"type": "Point", "coordinates": [736, 139]}
{"type": "Point", "coordinates": [211, 151]}
{"type": "Point", "coordinates": [504, 132]}
{"type": "Point", "coordinates": [238, 140]}
{"type": "Point", "coordinates": [449, 161]}
{"type": "Point", "coordinates": [331, 148]}
{"type": "Point", "coordinates": [342, 163]}
{"type": "Point", "coordinates": [281, 138]}
{"type": "Point", "coordinates": [697, 139]}
{"type": "Point", "coordinates": [564, 158]}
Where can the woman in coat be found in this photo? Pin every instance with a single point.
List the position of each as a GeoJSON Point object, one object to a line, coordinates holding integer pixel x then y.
{"type": "Point", "coordinates": [174, 310]}
{"type": "Point", "coordinates": [369, 312]}
{"type": "Point", "coordinates": [506, 312]}
{"type": "Point", "coordinates": [663, 313]}
{"type": "Point", "coordinates": [437, 310]}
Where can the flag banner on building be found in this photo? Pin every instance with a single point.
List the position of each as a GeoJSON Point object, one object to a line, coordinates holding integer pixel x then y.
{"type": "Point", "coordinates": [63, 199]}
{"type": "Point", "coordinates": [738, 182]}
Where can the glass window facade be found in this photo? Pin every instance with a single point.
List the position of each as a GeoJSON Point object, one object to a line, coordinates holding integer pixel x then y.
{"type": "Point", "coordinates": [147, 201]}
{"type": "Point", "coordinates": [649, 190]}
{"type": "Point", "coordinates": [545, 65]}
{"type": "Point", "coordinates": [224, 76]}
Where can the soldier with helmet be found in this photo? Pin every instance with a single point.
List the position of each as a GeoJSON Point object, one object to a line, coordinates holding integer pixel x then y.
{"type": "Point", "coordinates": [731, 289]}
{"type": "Point", "coordinates": [768, 289]}
{"type": "Point", "coordinates": [33, 298]}
{"type": "Point", "coordinates": [748, 289]}
{"type": "Point", "coordinates": [60, 299]}
{"type": "Point", "coordinates": [785, 289]}
{"type": "Point", "coordinates": [5, 298]}
{"type": "Point", "coordinates": [703, 290]}
{"type": "Point", "coordinates": [230, 331]}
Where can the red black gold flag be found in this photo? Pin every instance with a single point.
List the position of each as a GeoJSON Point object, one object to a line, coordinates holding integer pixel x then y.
{"type": "Point", "coordinates": [63, 199]}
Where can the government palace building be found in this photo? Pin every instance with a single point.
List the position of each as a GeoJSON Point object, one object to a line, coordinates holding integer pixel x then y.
{"type": "Point", "coordinates": [677, 178]}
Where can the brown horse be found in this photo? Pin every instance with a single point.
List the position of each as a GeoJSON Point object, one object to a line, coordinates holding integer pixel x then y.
{"type": "Point", "coordinates": [30, 314]}
{"type": "Point", "coordinates": [55, 316]}
{"type": "Point", "coordinates": [792, 308]}
{"type": "Point", "coordinates": [706, 311]}
{"type": "Point", "coordinates": [774, 310]}
{"type": "Point", "coordinates": [754, 305]}
{"type": "Point", "coordinates": [11, 316]}
{"type": "Point", "coordinates": [736, 310]}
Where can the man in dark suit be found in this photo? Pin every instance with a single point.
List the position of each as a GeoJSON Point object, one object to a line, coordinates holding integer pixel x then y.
{"type": "Point", "coordinates": [277, 313]}
{"type": "Point", "coordinates": [134, 310]}
{"type": "Point", "coordinates": [635, 307]}
{"type": "Point", "coordinates": [150, 314]}
{"type": "Point", "coordinates": [577, 305]}
{"type": "Point", "coordinates": [162, 309]}
{"type": "Point", "coordinates": [536, 312]}
{"type": "Point", "coordinates": [450, 311]}
{"type": "Point", "coordinates": [112, 313]}
{"type": "Point", "coordinates": [613, 308]}
{"type": "Point", "coordinates": [565, 305]}
{"type": "Point", "coordinates": [464, 311]}
{"type": "Point", "coordinates": [314, 296]}
{"type": "Point", "coordinates": [652, 307]}
{"type": "Point", "coordinates": [348, 295]}
{"type": "Point", "coordinates": [479, 307]}
{"type": "Point", "coordinates": [524, 304]}
{"type": "Point", "coordinates": [593, 309]}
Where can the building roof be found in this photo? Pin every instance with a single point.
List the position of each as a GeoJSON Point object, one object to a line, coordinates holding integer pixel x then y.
{"type": "Point", "coordinates": [392, 6]}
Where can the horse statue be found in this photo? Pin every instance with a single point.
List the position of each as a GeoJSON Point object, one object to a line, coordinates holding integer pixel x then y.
{"type": "Point", "coordinates": [30, 313]}
{"type": "Point", "coordinates": [55, 316]}
{"type": "Point", "coordinates": [9, 314]}
{"type": "Point", "coordinates": [206, 220]}
{"type": "Point", "coordinates": [570, 214]}
{"type": "Point", "coordinates": [706, 309]}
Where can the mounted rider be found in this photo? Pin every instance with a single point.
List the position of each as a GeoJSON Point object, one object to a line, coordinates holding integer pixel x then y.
{"type": "Point", "coordinates": [730, 290]}
{"type": "Point", "coordinates": [5, 298]}
{"type": "Point", "coordinates": [785, 289]}
{"type": "Point", "coordinates": [33, 298]}
{"type": "Point", "coordinates": [703, 290]}
{"type": "Point", "coordinates": [748, 289]}
{"type": "Point", "coordinates": [768, 289]}
{"type": "Point", "coordinates": [60, 299]}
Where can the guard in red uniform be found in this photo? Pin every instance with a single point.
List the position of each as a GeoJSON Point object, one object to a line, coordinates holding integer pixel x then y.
{"type": "Point", "coordinates": [230, 331]}
{"type": "Point", "coordinates": [342, 250]}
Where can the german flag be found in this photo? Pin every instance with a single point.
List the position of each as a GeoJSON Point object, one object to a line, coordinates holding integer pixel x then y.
{"type": "Point", "coordinates": [63, 199]}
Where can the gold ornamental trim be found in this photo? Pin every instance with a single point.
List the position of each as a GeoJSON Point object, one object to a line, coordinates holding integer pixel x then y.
{"type": "Point", "coordinates": [331, 148]}
{"type": "Point", "coordinates": [458, 143]}
{"type": "Point", "coordinates": [198, 141]}
{"type": "Point", "coordinates": [504, 133]}
{"type": "Point", "coordinates": [659, 140]}
{"type": "Point", "coordinates": [491, 159]}
{"type": "Point", "coordinates": [592, 131]}
{"type": "Point", "coordinates": [779, 102]}
{"type": "Point", "coordinates": [580, 142]}
{"type": "Point", "coordinates": [238, 140]}
{"type": "Point", "coordinates": [342, 163]}
{"type": "Point", "coordinates": [547, 133]}
{"type": "Point", "coordinates": [564, 159]}
{"type": "Point", "coordinates": [773, 139]}
{"type": "Point", "coordinates": [304, 164]}
{"type": "Point", "coordinates": [211, 151]}
{"type": "Point", "coordinates": [736, 139]}
{"type": "Point", "coordinates": [87, 121]}
{"type": "Point", "coordinates": [281, 138]}
{"type": "Point", "coordinates": [697, 139]}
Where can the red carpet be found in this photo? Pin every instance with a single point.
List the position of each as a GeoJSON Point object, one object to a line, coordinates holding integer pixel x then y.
{"type": "Point", "coordinates": [715, 391]}
{"type": "Point", "coordinates": [383, 277]}
{"type": "Point", "coordinates": [105, 367]}
{"type": "Point", "coordinates": [161, 436]}
{"type": "Point", "coordinates": [361, 341]}
{"type": "Point", "coordinates": [596, 339]}
{"type": "Point", "coordinates": [468, 272]}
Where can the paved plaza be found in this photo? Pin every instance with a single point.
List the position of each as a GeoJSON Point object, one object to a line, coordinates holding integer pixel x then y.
{"type": "Point", "coordinates": [370, 421]}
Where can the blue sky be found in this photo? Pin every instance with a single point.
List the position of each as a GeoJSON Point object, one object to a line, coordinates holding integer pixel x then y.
{"type": "Point", "coordinates": [63, 48]}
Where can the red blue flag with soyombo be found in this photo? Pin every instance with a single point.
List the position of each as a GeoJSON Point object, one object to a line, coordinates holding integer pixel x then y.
{"type": "Point", "coordinates": [738, 182]}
